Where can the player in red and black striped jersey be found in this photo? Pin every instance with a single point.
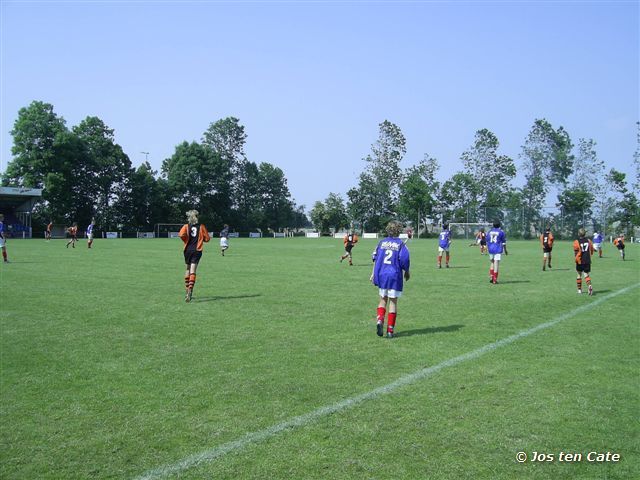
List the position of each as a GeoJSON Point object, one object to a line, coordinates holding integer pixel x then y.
{"type": "Point", "coordinates": [583, 249]}
{"type": "Point", "coordinates": [546, 240]}
{"type": "Point", "coordinates": [619, 243]}
{"type": "Point", "coordinates": [193, 234]}
{"type": "Point", "coordinates": [350, 240]}
{"type": "Point", "coordinates": [73, 232]}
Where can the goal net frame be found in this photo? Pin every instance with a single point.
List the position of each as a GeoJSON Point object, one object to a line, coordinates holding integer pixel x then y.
{"type": "Point", "coordinates": [59, 230]}
{"type": "Point", "coordinates": [164, 228]}
{"type": "Point", "coordinates": [469, 227]}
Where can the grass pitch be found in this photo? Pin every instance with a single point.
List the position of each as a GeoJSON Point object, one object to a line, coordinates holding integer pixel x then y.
{"type": "Point", "coordinates": [107, 373]}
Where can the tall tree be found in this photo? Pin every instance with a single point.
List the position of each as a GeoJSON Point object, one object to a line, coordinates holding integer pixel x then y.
{"type": "Point", "coordinates": [38, 136]}
{"type": "Point", "coordinates": [418, 191]}
{"type": "Point", "coordinates": [628, 211]}
{"type": "Point", "coordinates": [492, 172]}
{"type": "Point", "coordinates": [275, 197]}
{"type": "Point", "coordinates": [547, 162]}
{"type": "Point", "coordinates": [106, 168]}
{"type": "Point", "coordinates": [457, 196]}
{"type": "Point", "coordinates": [197, 177]}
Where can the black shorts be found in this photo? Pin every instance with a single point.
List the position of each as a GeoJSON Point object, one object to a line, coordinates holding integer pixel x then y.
{"type": "Point", "coordinates": [620, 247]}
{"type": "Point", "coordinates": [580, 268]}
{"type": "Point", "coordinates": [348, 248]}
{"type": "Point", "coordinates": [192, 256]}
{"type": "Point", "coordinates": [483, 243]}
{"type": "Point", "coordinates": [547, 249]}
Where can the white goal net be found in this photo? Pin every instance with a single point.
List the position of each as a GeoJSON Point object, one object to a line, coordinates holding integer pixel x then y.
{"type": "Point", "coordinates": [468, 230]}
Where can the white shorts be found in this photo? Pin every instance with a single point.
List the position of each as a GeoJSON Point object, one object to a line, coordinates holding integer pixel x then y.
{"type": "Point", "coordinates": [495, 256]}
{"type": "Point", "coordinates": [224, 242]}
{"type": "Point", "coordinates": [90, 236]}
{"type": "Point", "coordinates": [2, 242]}
{"type": "Point", "coordinates": [597, 246]}
{"type": "Point", "coordinates": [440, 249]}
{"type": "Point", "coordinates": [389, 292]}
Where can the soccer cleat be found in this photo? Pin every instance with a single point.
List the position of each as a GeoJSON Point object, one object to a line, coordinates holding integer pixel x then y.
{"type": "Point", "coordinates": [439, 266]}
{"type": "Point", "coordinates": [379, 329]}
{"type": "Point", "coordinates": [447, 265]}
{"type": "Point", "coordinates": [544, 269]}
{"type": "Point", "coordinates": [490, 280]}
{"type": "Point", "coordinates": [590, 290]}
{"type": "Point", "coordinates": [579, 291]}
{"type": "Point", "coordinates": [549, 265]}
{"type": "Point", "coordinates": [389, 334]}
{"type": "Point", "coordinates": [187, 298]}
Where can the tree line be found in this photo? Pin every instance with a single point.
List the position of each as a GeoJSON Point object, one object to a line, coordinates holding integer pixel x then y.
{"type": "Point", "coordinates": [588, 193]}
{"type": "Point", "coordinates": [85, 174]}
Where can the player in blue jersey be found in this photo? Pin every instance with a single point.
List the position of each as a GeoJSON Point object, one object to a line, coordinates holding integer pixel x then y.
{"type": "Point", "coordinates": [598, 238]}
{"type": "Point", "coordinates": [90, 233]}
{"type": "Point", "coordinates": [444, 242]}
{"type": "Point", "coordinates": [391, 267]}
{"type": "Point", "coordinates": [497, 243]}
{"type": "Point", "coordinates": [3, 240]}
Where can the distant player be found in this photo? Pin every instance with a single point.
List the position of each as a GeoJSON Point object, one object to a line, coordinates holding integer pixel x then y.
{"type": "Point", "coordinates": [224, 239]}
{"type": "Point", "coordinates": [390, 268]}
{"type": "Point", "coordinates": [583, 249]}
{"type": "Point", "coordinates": [3, 240]}
{"type": "Point", "coordinates": [349, 240]}
{"type": "Point", "coordinates": [90, 233]}
{"type": "Point", "coordinates": [598, 238]}
{"type": "Point", "coordinates": [193, 234]}
{"type": "Point", "coordinates": [73, 231]}
{"type": "Point", "coordinates": [546, 240]}
{"type": "Point", "coordinates": [482, 241]}
{"type": "Point", "coordinates": [497, 243]}
{"type": "Point", "coordinates": [47, 232]}
{"type": "Point", "coordinates": [619, 243]}
{"type": "Point", "coordinates": [444, 243]}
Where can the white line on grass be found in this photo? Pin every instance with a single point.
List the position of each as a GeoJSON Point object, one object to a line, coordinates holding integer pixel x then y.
{"type": "Point", "coordinates": [302, 420]}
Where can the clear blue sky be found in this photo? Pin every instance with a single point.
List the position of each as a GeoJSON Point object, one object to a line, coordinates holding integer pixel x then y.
{"type": "Point", "coordinates": [311, 81]}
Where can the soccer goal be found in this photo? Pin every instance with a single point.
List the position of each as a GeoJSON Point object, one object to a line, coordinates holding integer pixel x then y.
{"type": "Point", "coordinates": [468, 230]}
{"type": "Point", "coordinates": [60, 231]}
{"type": "Point", "coordinates": [167, 230]}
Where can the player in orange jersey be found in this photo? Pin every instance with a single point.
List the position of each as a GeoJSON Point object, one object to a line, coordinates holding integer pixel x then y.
{"type": "Point", "coordinates": [546, 240]}
{"type": "Point", "coordinates": [47, 232]}
{"type": "Point", "coordinates": [193, 234]}
{"type": "Point", "coordinates": [73, 231]}
{"type": "Point", "coordinates": [619, 243]}
{"type": "Point", "coordinates": [350, 240]}
{"type": "Point", "coordinates": [583, 249]}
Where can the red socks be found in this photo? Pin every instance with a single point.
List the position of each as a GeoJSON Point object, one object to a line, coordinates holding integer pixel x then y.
{"type": "Point", "coordinates": [392, 322]}
{"type": "Point", "coordinates": [381, 312]}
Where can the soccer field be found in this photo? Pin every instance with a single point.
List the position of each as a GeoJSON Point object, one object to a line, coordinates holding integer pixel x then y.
{"type": "Point", "coordinates": [275, 370]}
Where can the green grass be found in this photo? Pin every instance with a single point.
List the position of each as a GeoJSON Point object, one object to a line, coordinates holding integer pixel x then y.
{"type": "Point", "coordinates": [107, 373]}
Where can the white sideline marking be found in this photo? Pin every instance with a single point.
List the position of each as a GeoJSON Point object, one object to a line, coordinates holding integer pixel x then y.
{"type": "Point", "coordinates": [302, 420]}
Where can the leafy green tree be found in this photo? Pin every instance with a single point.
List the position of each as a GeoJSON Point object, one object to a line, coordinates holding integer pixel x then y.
{"type": "Point", "coordinates": [197, 178]}
{"type": "Point", "coordinates": [628, 211]}
{"type": "Point", "coordinates": [492, 172]}
{"type": "Point", "coordinates": [106, 169]}
{"type": "Point", "coordinates": [38, 139]}
{"type": "Point", "coordinates": [547, 162]}
{"type": "Point", "coordinates": [319, 217]}
{"type": "Point", "coordinates": [458, 196]}
{"type": "Point", "coordinates": [336, 212]}
{"type": "Point", "coordinates": [247, 197]}
{"type": "Point", "coordinates": [148, 202]}
{"type": "Point", "coordinates": [418, 191]}
{"type": "Point", "coordinates": [274, 196]}
{"type": "Point", "coordinates": [375, 199]}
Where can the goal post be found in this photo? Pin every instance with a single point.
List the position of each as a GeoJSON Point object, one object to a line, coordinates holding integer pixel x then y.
{"type": "Point", "coordinates": [468, 229]}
